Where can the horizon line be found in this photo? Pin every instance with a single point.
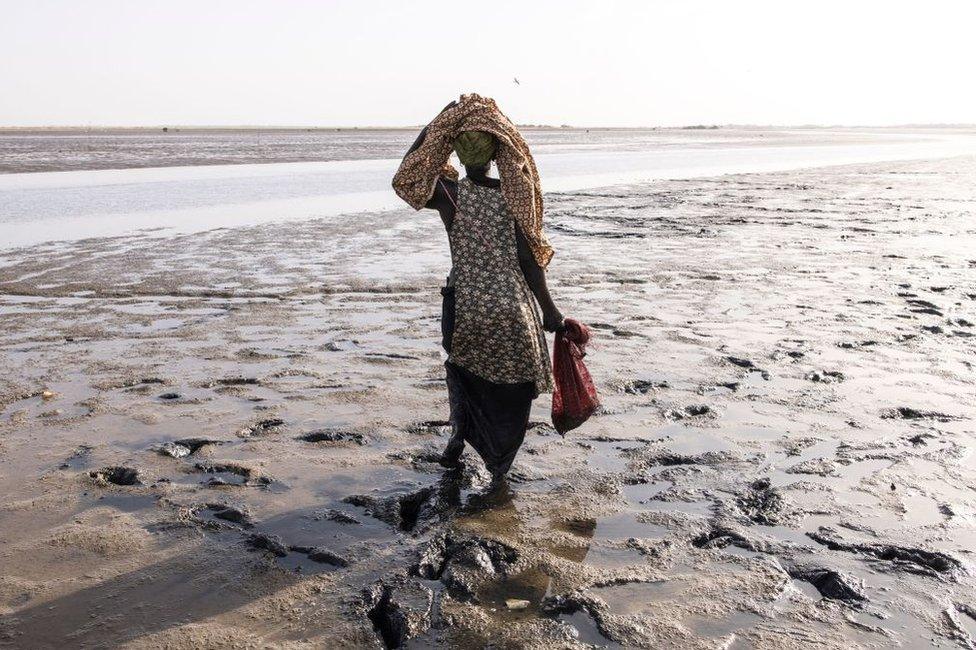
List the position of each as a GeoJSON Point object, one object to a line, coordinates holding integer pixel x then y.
{"type": "Point", "coordinates": [564, 127]}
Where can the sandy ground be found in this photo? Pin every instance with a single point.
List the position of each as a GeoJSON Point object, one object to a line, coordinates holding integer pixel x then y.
{"type": "Point", "coordinates": [784, 458]}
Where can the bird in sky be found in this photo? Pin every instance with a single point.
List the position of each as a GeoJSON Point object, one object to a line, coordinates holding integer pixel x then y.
{"type": "Point", "coordinates": [516, 81]}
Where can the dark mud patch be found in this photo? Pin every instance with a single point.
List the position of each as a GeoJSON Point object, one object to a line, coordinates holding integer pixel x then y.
{"type": "Point", "coordinates": [115, 475]}
{"type": "Point", "coordinates": [142, 385]}
{"type": "Point", "coordinates": [763, 504]}
{"type": "Point", "coordinates": [335, 435]}
{"type": "Point", "coordinates": [338, 516]}
{"type": "Point", "coordinates": [721, 537]}
{"type": "Point", "coordinates": [825, 376]}
{"type": "Point", "coordinates": [585, 612]}
{"type": "Point", "coordinates": [909, 413]}
{"type": "Point", "coordinates": [723, 534]}
{"type": "Point", "coordinates": [404, 511]}
{"type": "Point", "coordinates": [224, 512]}
{"type": "Point", "coordinates": [233, 381]}
{"type": "Point", "coordinates": [902, 558]}
{"type": "Point", "coordinates": [269, 543]}
{"type": "Point", "coordinates": [390, 356]}
{"type": "Point", "coordinates": [644, 386]}
{"type": "Point", "coordinates": [399, 609]}
{"type": "Point", "coordinates": [642, 460]}
{"type": "Point", "coordinates": [417, 509]}
{"type": "Point", "coordinates": [262, 427]}
{"type": "Point", "coordinates": [855, 345]}
{"type": "Point", "coordinates": [426, 427]}
{"type": "Point", "coordinates": [690, 411]}
{"type": "Point", "coordinates": [748, 364]}
{"type": "Point", "coordinates": [323, 555]}
{"type": "Point", "coordinates": [464, 564]}
{"type": "Point", "coordinates": [184, 446]}
{"type": "Point", "coordinates": [831, 584]}
{"type": "Point", "coordinates": [233, 474]}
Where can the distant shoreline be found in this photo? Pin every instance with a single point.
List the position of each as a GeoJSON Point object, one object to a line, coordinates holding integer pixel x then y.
{"type": "Point", "coordinates": [176, 130]}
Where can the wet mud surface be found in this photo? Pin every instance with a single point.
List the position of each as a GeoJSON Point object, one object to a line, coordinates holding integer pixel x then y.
{"type": "Point", "coordinates": [230, 439]}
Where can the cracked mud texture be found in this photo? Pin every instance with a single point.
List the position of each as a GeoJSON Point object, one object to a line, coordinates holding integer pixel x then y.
{"type": "Point", "coordinates": [784, 457]}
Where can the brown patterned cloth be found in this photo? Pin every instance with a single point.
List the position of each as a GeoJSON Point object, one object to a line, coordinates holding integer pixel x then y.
{"type": "Point", "coordinates": [498, 333]}
{"type": "Point", "coordinates": [414, 181]}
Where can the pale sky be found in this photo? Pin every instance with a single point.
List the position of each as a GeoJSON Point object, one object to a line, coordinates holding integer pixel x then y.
{"type": "Point", "coordinates": [579, 62]}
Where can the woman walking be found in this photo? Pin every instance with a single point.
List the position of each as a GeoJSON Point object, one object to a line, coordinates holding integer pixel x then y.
{"type": "Point", "coordinates": [492, 331]}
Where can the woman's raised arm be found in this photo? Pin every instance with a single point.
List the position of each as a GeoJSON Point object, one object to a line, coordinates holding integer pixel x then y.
{"type": "Point", "coordinates": [439, 200]}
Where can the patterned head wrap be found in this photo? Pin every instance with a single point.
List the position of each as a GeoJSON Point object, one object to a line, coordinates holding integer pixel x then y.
{"type": "Point", "coordinates": [415, 180]}
{"type": "Point", "coordinates": [475, 148]}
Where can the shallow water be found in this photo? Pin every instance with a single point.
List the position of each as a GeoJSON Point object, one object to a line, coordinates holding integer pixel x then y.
{"type": "Point", "coordinates": [66, 205]}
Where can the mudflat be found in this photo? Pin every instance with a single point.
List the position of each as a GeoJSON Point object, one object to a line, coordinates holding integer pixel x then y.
{"type": "Point", "coordinates": [228, 438]}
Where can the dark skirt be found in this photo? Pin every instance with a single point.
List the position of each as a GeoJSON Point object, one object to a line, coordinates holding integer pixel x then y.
{"type": "Point", "coordinates": [490, 417]}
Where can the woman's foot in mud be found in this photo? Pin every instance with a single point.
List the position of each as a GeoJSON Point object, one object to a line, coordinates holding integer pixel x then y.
{"type": "Point", "coordinates": [497, 480]}
{"type": "Point", "coordinates": [451, 458]}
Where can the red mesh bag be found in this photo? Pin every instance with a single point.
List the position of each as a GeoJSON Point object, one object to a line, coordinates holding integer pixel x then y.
{"type": "Point", "coordinates": [574, 398]}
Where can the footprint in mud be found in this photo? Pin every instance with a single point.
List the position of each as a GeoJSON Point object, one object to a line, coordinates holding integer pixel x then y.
{"type": "Point", "coordinates": [415, 510]}
{"type": "Point", "coordinates": [224, 512]}
{"type": "Point", "coordinates": [465, 564]}
{"type": "Point", "coordinates": [909, 413]}
{"type": "Point", "coordinates": [232, 381]}
{"type": "Point", "coordinates": [748, 365]}
{"type": "Point", "coordinates": [690, 411]}
{"type": "Point", "coordinates": [720, 388]}
{"type": "Point", "coordinates": [335, 435]}
{"type": "Point", "coordinates": [404, 512]}
{"type": "Point", "coordinates": [269, 543]}
{"type": "Point", "coordinates": [855, 345]}
{"type": "Point", "coordinates": [341, 345]}
{"type": "Point", "coordinates": [644, 386]}
{"type": "Point", "coordinates": [338, 516]}
{"type": "Point", "coordinates": [78, 459]}
{"type": "Point", "coordinates": [825, 376]}
{"type": "Point", "coordinates": [290, 538]}
{"type": "Point", "coordinates": [188, 397]}
{"type": "Point", "coordinates": [763, 504]}
{"type": "Point", "coordinates": [184, 446]}
{"type": "Point", "coordinates": [390, 356]}
{"type": "Point", "coordinates": [319, 554]}
{"type": "Point", "coordinates": [584, 613]}
{"type": "Point", "coordinates": [919, 306]}
{"type": "Point", "coordinates": [399, 609]}
{"type": "Point", "coordinates": [894, 556]}
{"type": "Point", "coordinates": [322, 555]}
{"type": "Point", "coordinates": [266, 426]}
{"type": "Point", "coordinates": [721, 536]}
{"type": "Point", "coordinates": [831, 584]}
{"type": "Point", "coordinates": [435, 427]}
{"type": "Point", "coordinates": [643, 459]}
{"type": "Point", "coordinates": [142, 386]}
{"type": "Point", "coordinates": [115, 475]}
{"type": "Point", "coordinates": [225, 474]}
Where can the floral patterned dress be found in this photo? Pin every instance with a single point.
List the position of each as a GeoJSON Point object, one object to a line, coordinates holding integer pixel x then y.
{"type": "Point", "coordinates": [498, 332]}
